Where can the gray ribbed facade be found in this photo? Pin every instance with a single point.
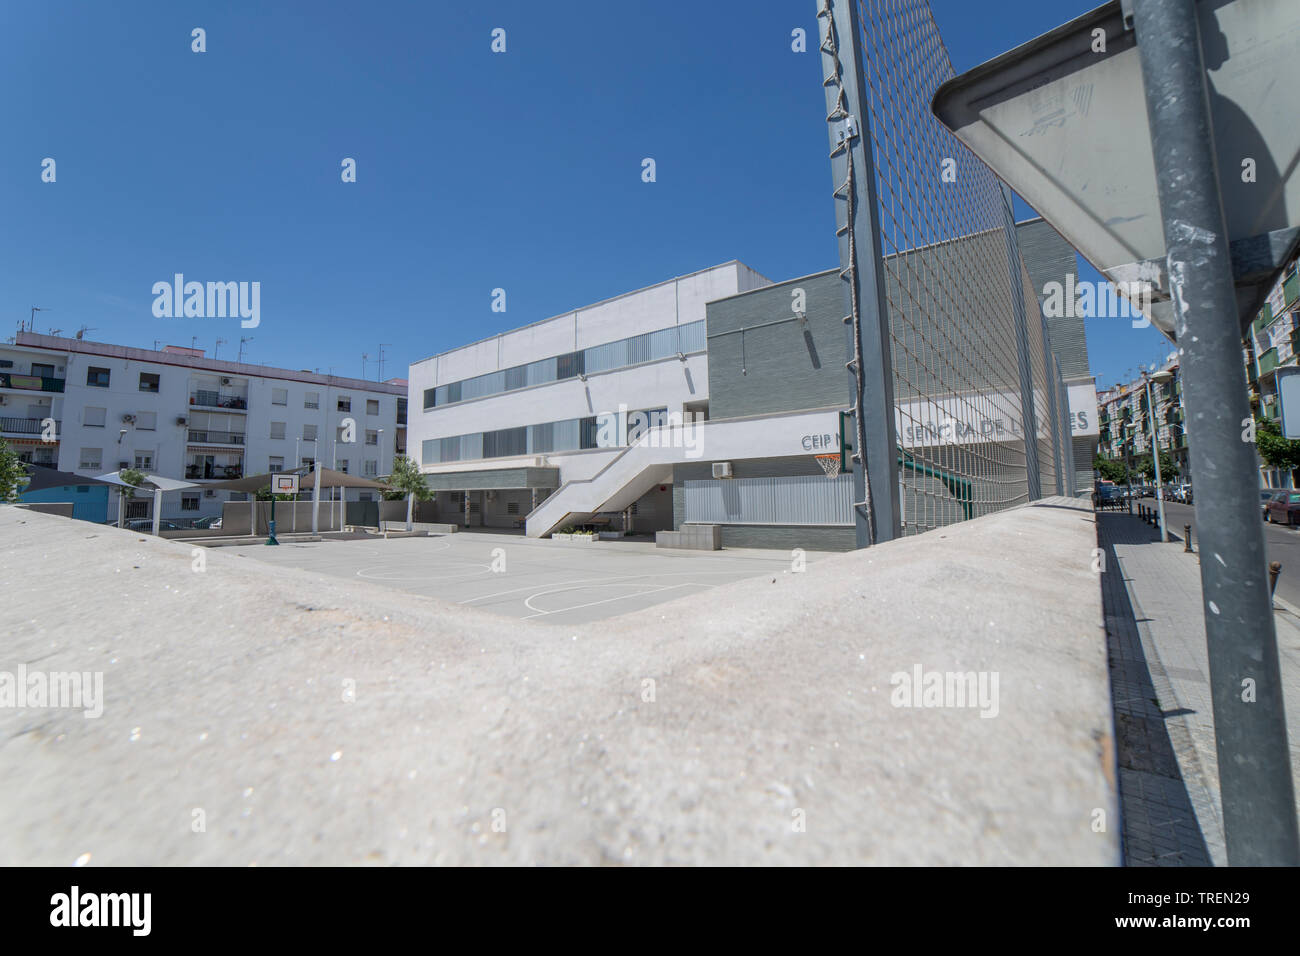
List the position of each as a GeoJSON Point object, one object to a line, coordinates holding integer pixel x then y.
{"type": "Point", "coordinates": [1049, 258]}
{"type": "Point", "coordinates": [763, 360]}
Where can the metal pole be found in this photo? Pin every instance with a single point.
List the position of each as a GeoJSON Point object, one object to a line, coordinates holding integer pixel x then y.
{"type": "Point", "coordinates": [270, 527]}
{"type": "Point", "coordinates": [871, 374]}
{"type": "Point", "coordinates": [1155, 457]}
{"type": "Point", "coordinates": [1259, 812]}
{"type": "Point", "coordinates": [315, 501]}
{"type": "Point", "coordinates": [1028, 408]}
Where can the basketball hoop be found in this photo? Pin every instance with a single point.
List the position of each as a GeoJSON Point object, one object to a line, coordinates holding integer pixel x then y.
{"type": "Point", "coordinates": [830, 464]}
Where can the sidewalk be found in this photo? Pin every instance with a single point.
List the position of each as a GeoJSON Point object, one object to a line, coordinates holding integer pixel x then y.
{"type": "Point", "coordinates": [1168, 767]}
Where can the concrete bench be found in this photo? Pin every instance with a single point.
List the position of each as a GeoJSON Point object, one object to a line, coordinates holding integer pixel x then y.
{"type": "Point", "coordinates": [691, 537]}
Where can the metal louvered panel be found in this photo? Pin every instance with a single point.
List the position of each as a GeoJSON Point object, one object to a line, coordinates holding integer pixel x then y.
{"type": "Point", "coordinates": [794, 499]}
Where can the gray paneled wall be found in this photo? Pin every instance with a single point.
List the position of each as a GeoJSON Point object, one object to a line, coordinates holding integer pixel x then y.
{"type": "Point", "coordinates": [778, 364]}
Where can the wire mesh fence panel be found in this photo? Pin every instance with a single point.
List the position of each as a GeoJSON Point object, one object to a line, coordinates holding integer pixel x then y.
{"type": "Point", "coordinates": [974, 403]}
{"type": "Point", "coordinates": [1046, 391]}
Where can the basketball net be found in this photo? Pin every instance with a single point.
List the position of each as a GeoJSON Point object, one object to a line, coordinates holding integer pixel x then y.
{"type": "Point", "coordinates": [830, 464]}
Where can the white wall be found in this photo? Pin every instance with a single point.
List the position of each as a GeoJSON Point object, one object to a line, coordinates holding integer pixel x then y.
{"type": "Point", "coordinates": [668, 383]}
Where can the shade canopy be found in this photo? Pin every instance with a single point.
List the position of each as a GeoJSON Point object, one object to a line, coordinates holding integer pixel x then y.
{"type": "Point", "coordinates": [329, 478]}
{"type": "Point", "coordinates": [157, 482]}
{"type": "Point", "coordinates": [43, 478]}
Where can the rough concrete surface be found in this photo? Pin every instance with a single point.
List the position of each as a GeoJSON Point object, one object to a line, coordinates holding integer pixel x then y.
{"type": "Point", "coordinates": [226, 693]}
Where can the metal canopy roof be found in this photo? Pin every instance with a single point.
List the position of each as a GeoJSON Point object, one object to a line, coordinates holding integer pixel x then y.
{"type": "Point", "coordinates": [1067, 128]}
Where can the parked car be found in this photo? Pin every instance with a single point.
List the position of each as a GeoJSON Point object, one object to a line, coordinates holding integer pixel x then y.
{"type": "Point", "coordinates": [211, 521]}
{"type": "Point", "coordinates": [1283, 508]}
{"type": "Point", "coordinates": [146, 524]}
{"type": "Point", "coordinates": [1265, 496]}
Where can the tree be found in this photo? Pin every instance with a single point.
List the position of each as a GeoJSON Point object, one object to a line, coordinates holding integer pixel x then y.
{"type": "Point", "coordinates": [1144, 466]}
{"type": "Point", "coordinates": [1276, 451]}
{"type": "Point", "coordinates": [264, 494]}
{"type": "Point", "coordinates": [407, 480]}
{"type": "Point", "coordinates": [12, 473]}
{"type": "Point", "coordinates": [1111, 470]}
{"type": "Point", "coordinates": [134, 479]}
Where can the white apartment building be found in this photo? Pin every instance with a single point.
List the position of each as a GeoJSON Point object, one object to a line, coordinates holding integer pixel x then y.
{"type": "Point", "coordinates": [175, 413]}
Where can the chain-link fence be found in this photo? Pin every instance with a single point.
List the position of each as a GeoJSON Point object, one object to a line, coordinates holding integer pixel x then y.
{"type": "Point", "coordinates": [976, 394]}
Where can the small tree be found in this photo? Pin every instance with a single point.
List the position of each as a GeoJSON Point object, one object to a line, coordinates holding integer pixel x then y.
{"type": "Point", "coordinates": [406, 480]}
{"type": "Point", "coordinates": [1110, 470]}
{"type": "Point", "coordinates": [1276, 451]}
{"type": "Point", "coordinates": [134, 479]}
{"type": "Point", "coordinates": [12, 473]}
{"type": "Point", "coordinates": [264, 494]}
{"type": "Point", "coordinates": [1144, 465]}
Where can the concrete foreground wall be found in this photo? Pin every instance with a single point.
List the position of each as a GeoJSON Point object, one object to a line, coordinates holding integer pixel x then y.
{"type": "Point", "coordinates": [315, 720]}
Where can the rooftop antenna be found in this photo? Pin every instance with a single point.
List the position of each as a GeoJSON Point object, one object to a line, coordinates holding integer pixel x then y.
{"type": "Point", "coordinates": [194, 341]}
{"type": "Point", "coordinates": [156, 343]}
{"type": "Point", "coordinates": [380, 376]}
{"type": "Point", "coordinates": [242, 340]}
{"type": "Point", "coordinates": [81, 332]}
{"type": "Point", "coordinates": [364, 357]}
{"type": "Point", "coordinates": [31, 325]}
{"type": "Point", "coordinates": [217, 348]}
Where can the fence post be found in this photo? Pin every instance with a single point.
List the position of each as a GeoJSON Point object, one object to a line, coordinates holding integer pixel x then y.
{"type": "Point", "coordinates": [1028, 411]}
{"type": "Point", "coordinates": [871, 389]}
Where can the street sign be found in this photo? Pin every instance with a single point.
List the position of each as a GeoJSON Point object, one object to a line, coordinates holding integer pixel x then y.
{"type": "Point", "coordinates": [1064, 120]}
{"type": "Point", "coordinates": [284, 484]}
{"type": "Point", "coordinates": [1288, 400]}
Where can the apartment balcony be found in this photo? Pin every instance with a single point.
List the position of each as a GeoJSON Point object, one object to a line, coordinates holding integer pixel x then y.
{"type": "Point", "coordinates": [32, 455]}
{"type": "Point", "coordinates": [25, 426]}
{"type": "Point", "coordinates": [31, 383]}
{"type": "Point", "coordinates": [203, 436]}
{"type": "Point", "coordinates": [203, 398]}
{"type": "Point", "coordinates": [213, 472]}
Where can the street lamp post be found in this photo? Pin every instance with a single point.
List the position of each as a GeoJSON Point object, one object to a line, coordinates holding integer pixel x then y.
{"type": "Point", "coordinates": [1161, 377]}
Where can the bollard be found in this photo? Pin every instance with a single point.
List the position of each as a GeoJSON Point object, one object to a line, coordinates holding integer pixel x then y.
{"type": "Point", "coordinates": [1274, 569]}
{"type": "Point", "coordinates": [1187, 539]}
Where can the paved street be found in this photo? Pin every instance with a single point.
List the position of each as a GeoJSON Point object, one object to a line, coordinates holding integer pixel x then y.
{"type": "Point", "coordinates": [1169, 788]}
{"type": "Point", "coordinates": [1283, 545]}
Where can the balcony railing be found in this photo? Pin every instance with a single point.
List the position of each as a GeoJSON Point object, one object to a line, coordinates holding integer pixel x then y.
{"type": "Point", "coordinates": [200, 436]}
{"type": "Point", "coordinates": [35, 383]}
{"type": "Point", "coordinates": [209, 399]}
{"type": "Point", "coordinates": [24, 426]}
{"type": "Point", "coordinates": [210, 472]}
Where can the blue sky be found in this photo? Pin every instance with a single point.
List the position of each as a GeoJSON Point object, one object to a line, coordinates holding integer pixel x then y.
{"type": "Point", "coordinates": [474, 170]}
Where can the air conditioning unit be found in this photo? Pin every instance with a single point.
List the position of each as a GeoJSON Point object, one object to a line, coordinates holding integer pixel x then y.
{"type": "Point", "coordinates": [225, 381]}
{"type": "Point", "coordinates": [182, 420]}
{"type": "Point", "coordinates": [722, 469]}
{"type": "Point", "coordinates": [123, 464]}
{"type": "Point", "coordinates": [129, 419]}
